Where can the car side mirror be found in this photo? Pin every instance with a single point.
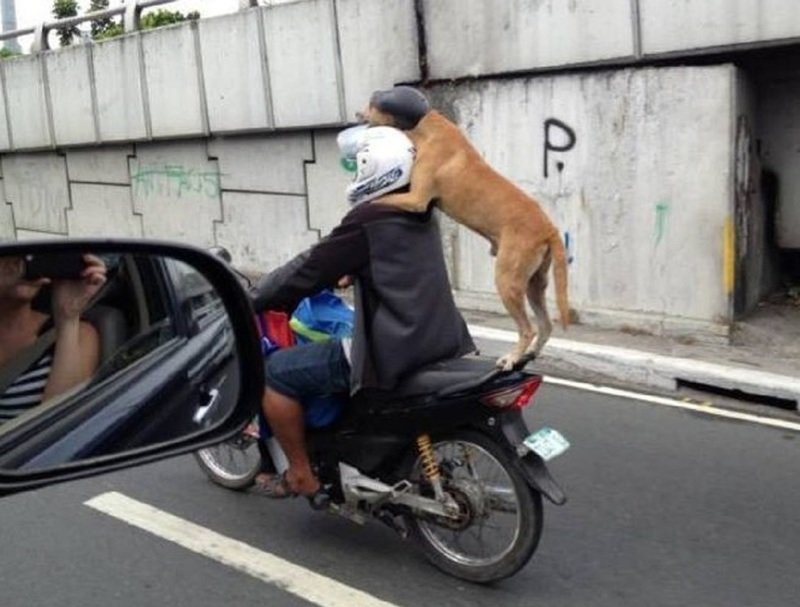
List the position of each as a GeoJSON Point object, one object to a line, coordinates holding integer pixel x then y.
{"type": "Point", "coordinates": [116, 353]}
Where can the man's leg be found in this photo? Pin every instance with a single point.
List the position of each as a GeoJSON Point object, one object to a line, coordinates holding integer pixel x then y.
{"type": "Point", "coordinates": [292, 375]}
{"type": "Point", "coordinates": [285, 415]}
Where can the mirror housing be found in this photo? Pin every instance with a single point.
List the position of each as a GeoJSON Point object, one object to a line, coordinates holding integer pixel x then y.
{"type": "Point", "coordinates": [242, 396]}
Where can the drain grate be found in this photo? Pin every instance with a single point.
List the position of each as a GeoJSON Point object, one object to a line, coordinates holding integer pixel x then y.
{"type": "Point", "coordinates": [772, 401]}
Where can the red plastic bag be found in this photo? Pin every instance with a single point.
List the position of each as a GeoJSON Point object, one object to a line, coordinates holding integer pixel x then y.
{"type": "Point", "coordinates": [275, 327]}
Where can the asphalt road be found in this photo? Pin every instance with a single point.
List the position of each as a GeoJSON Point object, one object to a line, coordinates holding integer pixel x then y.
{"type": "Point", "coordinates": [667, 507]}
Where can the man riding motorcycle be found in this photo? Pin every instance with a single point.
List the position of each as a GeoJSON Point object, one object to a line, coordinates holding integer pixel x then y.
{"type": "Point", "coordinates": [405, 316]}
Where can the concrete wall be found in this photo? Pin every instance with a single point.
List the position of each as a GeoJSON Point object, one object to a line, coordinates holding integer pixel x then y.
{"type": "Point", "coordinates": [218, 131]}
{"type": "Point", "coordinates": [473, 37]}
{"type": "Point", "coordinates": [265, 198]}
{"type": "Point", "coordinates": [312, 63]}
{"type": "Point", "coordinates": [642, 190]}
{"type": "Point", "coordinates": [779, 115]}
{"type": "Point", "coordinates": [36, 186]}
{"type": "Point", "coordinates": [478, 37]}
{"type": "Point", "coordinates": [617, 169]}
{"type": "Point", "coordinates": [681, 26]}
{"type": "Point", "coordinates": [747, 236]}
{"type": "Point", "coordinates": [298, 65]}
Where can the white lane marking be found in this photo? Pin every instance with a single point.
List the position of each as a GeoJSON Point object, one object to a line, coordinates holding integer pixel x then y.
{"type": "Point", "coordinates": [669, 402]}
{"type": "Point", "coordinates": [657, 370]}
{"type": "Point", "coordinates": [508, 336]}
{"type": "Point", "coordinates": [297, 580]}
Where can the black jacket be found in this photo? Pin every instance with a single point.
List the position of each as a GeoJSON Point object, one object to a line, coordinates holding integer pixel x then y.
{"type": "Point", "coordinates": [405, 314]}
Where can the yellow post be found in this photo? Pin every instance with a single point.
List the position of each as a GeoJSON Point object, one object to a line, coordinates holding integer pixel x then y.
{"type": "Point", "coordinates": [728, 256]}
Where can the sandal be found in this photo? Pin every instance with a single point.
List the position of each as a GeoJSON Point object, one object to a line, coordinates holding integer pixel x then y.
{"type": "Point", "coordinates": [320, 499]}
{"type": "Point", "coordinates": [274, 486]}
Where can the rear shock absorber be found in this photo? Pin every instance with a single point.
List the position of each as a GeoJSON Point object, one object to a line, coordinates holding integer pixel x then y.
{"type": "Point", "coordinates": [430, 468]}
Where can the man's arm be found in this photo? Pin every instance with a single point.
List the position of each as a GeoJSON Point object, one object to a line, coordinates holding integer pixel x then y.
{"type": "Point", "coordinates": [422, 190]}
{"type": "Point", "coordinates": [344, 251]}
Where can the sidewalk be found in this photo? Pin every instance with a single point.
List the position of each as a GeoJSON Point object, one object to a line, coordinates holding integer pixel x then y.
{"type": "Point", "coordinates": [763, 359]}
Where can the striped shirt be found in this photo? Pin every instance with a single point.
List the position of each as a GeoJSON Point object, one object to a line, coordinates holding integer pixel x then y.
{"type": "Point", "coordinates": [27, 390]}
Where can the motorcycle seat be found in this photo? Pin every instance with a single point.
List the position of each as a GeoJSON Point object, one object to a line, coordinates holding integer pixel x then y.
{"type": "Point", "coordinates": [435, 377]}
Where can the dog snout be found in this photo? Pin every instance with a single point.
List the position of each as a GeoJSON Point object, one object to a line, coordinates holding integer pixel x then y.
{"type": "Point", "coordinates": [363, 115]}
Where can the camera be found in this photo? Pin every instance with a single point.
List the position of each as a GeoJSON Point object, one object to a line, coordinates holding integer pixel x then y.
{"type": "Point", "coordinates": [56, 266]}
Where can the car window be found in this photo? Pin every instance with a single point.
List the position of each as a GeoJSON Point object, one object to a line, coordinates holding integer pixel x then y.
{"type": "Point", "coordinates": [135, 315]}
{"type": "Point", "coordinates": [199, 302]}
{"type": "Point", "coordinates": [140, 292]}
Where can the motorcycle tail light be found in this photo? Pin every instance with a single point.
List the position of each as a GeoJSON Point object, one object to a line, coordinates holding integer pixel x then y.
{"type": "Point", "coordinates": [513, 397]}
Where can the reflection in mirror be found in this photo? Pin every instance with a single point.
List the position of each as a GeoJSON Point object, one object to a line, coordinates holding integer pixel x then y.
{"type": "Point", "coordinates": [105, 353]}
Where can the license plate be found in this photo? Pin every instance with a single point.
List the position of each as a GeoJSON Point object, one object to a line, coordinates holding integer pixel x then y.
{"type": "Point", "coordinates": [547, 443]}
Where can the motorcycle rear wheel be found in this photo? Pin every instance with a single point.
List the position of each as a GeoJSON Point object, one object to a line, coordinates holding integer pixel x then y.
{"type": "Point", "coordinates": [501, 514]}
{"type": "Point", "coordinates": [233, 464]}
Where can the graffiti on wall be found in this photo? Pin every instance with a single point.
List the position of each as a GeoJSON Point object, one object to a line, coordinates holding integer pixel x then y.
{"type": "Point", "coordinates": [662, 215]}
{"type": "Point", "coordinates": [175, 181]}
{"type": "Point", "coordinates": [568, 245]}
{"type": "Point", "coordinates": [564, 141]}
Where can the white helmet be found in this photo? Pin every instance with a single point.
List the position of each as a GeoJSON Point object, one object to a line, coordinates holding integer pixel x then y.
{"type": "Point", "coordinates": [383, 163]}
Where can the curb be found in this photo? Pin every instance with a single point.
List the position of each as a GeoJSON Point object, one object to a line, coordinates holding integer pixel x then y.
{"type": "Point", "coordinates": [654, 370]}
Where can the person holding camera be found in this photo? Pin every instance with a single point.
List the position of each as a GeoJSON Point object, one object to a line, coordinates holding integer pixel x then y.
{"type": "Point", "coordinates": [43, 355]}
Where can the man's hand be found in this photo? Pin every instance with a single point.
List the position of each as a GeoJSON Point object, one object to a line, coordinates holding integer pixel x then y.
{"type": "Point", "coordinates": [345, 281]}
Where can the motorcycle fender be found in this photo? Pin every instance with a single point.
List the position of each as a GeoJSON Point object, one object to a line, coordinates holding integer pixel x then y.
{"type": "Point", "coordinates": [538, 476]}
{"type": "Point", "coordinates": [533, 467]}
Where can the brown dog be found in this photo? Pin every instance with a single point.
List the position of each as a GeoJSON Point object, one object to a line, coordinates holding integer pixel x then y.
{"type": "Point", "coordinates": [449, 170]}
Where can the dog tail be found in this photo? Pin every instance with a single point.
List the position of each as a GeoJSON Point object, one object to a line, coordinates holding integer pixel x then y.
{"type": "Point", "coordinates": [560, 277]}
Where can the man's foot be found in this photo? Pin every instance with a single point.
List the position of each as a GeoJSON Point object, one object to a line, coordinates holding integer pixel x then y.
{"type": "Point", "coordinates": [251, 431]}
{"type": "Point", "coordinates": [308, 486]}
{"type": "Point", "coordinates": [305, 484]}
{"type": "Point", "coordinates": [273, 486]}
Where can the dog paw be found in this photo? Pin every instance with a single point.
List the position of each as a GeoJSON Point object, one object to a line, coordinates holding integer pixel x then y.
{"type": "Point", "coordinates": [507, 362]}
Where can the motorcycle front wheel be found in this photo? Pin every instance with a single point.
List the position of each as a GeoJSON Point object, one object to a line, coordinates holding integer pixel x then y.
{"type": "Point", "coordinates": [500, 516]}
{"type": "Point", "coordinates": [233, 464]}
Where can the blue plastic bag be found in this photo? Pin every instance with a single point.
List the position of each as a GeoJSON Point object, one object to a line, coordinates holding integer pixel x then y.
{"type": "Point", "coordinates": [321, 317]}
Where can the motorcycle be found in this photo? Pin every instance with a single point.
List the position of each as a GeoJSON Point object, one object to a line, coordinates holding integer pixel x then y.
{"type": "Point", "coordinates": [446, 459]}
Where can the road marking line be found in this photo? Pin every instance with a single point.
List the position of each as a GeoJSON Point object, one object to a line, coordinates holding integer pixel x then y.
{"type": "Point", "coordinates": [302, 582]}
{"type": "Point", "coordinates": [653, 369]}
{"type": "Point", "coordinates": [669, 402]}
